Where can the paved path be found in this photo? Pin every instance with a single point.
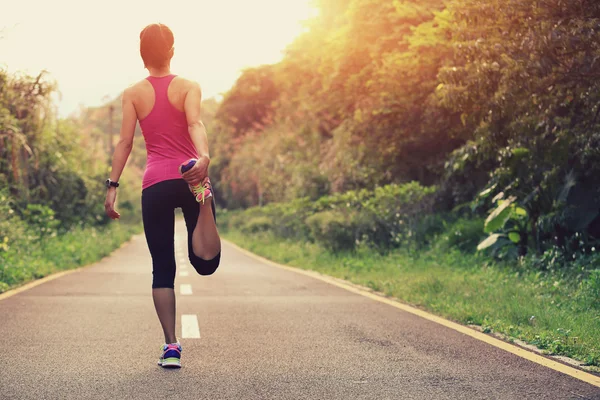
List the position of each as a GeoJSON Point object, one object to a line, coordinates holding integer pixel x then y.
{"type": "Point", "coordinates": [264, 333]}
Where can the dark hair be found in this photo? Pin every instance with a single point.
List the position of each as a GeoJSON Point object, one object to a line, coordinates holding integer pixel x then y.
{"type": "Point", "coordinates": [156, 45]}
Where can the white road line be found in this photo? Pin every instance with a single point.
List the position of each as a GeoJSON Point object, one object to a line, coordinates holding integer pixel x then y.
{"type": "Point", "coordinates": [189, 326]}
{"type": "Point", "coordinates": [184, 273]}
{"type": "Point", "coordinates": [185, 289]}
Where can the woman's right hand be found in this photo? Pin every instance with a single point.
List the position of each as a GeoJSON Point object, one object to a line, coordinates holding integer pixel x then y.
{"type": "Point", "coordinates": [109, 204]}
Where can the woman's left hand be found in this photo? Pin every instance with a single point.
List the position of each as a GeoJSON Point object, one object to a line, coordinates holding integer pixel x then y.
{"type": "Point", "coordinates": [109, 204]}
{"type": "Point", "coordinates": [200, 171]}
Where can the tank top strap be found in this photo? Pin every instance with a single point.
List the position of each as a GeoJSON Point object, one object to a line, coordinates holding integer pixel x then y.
{"type": "Point", "coordinates": [161, 86]}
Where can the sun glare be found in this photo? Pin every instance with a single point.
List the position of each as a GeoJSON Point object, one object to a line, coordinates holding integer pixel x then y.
{"type": "Point", "coordinates": [91, 48]}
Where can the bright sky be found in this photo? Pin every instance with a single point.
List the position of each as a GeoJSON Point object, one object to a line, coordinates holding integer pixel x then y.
{"type": "Point", "coordinates": [91, 48]}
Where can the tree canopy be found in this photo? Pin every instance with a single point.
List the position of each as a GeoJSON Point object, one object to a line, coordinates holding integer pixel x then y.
{"type": "Point", "coordinates": [468, 95]}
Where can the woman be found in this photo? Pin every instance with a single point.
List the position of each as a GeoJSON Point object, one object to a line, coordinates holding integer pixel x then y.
{"type": "Point", "coordinates": [168, 109]}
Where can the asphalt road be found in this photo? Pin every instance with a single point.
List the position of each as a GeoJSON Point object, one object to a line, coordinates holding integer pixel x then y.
{"type": "Point", "coordinates": [265, 333]}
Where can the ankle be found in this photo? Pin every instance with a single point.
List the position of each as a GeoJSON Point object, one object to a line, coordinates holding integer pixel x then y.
{"type": "Point", "coordinates": [172, 340]}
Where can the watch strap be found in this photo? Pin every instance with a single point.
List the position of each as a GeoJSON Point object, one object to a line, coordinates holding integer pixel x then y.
{"type": "Point", "coordinates": [110, 183]}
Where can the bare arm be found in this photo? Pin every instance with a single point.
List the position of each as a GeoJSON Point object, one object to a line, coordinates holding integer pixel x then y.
{"type": "Point", "coordinates": [123, 149]}
{"type": "Point", "coordinates": [122, 152]}
{"type": "Point", "coordinates": [192, 108]}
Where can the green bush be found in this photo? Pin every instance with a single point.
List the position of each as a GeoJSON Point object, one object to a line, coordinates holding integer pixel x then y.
{"type": "Point", "coordinates": [290, 219]}
{"type": "Point", "coordinates": [234, 219]}
{"type": "Point", "coordinates": [12, 228]}
{"type": "Point", "coordinates": [26, 260]}
{"type": "Point", "coordinates": [40, 220]}
{"type": "Point", "coordinates": [591, 289]}
{"type": "Point", "coordinates": [64, 191]}
{"type": "Point", "coordinates": [428, 228]}
{"type": "Point", "coordinates": [334, 230]}
{"type": "Point", "coordinates": [397, 212]}
{"type": "Point", "coordinates": [287, 219]}
{"type": "Point", "coordinates": [256, 224]}
{"type": "Point", "coordinates": [383, 218]}
{"type": "Point", "coordinates": [463, 234]}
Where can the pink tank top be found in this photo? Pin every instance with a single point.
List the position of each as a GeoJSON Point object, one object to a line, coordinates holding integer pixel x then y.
{"type": "Point", "coordinates": [165, 130]}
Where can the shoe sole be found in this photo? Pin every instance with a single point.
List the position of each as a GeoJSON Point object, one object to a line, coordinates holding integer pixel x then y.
{"type": "Point", "coordinates": [171, 363]}
{"type": "Point", "coordinates": [185, 163]}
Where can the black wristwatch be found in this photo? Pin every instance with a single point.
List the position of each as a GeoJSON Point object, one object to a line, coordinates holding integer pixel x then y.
{"type": "Point", "coordinates": [108, 183]}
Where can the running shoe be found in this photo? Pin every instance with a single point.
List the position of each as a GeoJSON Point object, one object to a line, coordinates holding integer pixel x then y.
{"type": "Point", "coordinates": [201, 192]}
{"type": "Point", "coordinates": [171, 356]}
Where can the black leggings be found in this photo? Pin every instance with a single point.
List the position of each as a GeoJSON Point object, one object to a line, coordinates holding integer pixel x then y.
{"type": "Point", "coordinates": [159, 202]}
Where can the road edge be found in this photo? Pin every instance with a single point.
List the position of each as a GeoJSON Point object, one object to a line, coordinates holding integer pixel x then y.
{"type": "Point", "coordinates": [491, 340]}
{"type": "Point", "coordinates": [31, 284]}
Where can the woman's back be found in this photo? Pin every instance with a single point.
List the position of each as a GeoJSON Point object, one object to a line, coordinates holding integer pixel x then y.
{"type": "Point", "coordinates": [159, 104]}
{"type": "Point", "coordinates": [168, 109]}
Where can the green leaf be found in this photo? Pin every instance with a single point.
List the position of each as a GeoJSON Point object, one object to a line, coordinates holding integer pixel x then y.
{"type": "Point", "coordinates": [521, 211]}
{"type": "Point", "coordinates": [499, 196]}
{"type": "Point", "coordinates": [499, 216]}
{"type": "Point", "coordinates": [490, 241]}
{"type": "Point", "coordinates": [487, 192]}
{"type": "Point", "coordinates": [520, 152]}
{"type": "Point", "coordinates": [515, 237]}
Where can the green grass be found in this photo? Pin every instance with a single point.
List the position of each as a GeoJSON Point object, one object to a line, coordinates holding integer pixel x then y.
{"type": "Point", "coordinates": [537, 308]}
{"type": "Point", "coordinates": [27, 261]}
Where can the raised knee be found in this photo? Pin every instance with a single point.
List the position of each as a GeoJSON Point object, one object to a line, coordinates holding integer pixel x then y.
{"type": "Point", "coordinates": [206, 267]}
{"type": "Point", "coordinates": [206, 272]}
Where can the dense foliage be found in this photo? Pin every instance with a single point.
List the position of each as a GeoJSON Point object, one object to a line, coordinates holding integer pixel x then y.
{"type": "Point", "coordinates": [492, 106]}
{"type": "Point", "coordinates": [383, 218]}
{"type": "Point", "coordinates": [51, 190]}
{"type": "Point", "coordinates": [494, 103]}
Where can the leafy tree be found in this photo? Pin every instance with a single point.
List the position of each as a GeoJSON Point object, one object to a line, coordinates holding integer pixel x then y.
{"type": "Point", "coordinates": [524, 78]}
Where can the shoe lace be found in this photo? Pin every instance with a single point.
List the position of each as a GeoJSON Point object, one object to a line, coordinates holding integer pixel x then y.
{"type": "Point", "coordinates": [199, 189]}
{"type": "Point", "coordinates": [171, 346]}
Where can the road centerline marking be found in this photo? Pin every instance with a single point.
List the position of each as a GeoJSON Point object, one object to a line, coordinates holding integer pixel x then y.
{"type": "Point", "coordinates": [185, 289]}
{"type": "Point", "coordinates": [184, 273]}
{"type": "Point", "coordinates": [189, 326]}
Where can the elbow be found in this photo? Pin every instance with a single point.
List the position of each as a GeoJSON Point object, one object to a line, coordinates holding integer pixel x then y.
{"type": "Point", "coordinates": [196, 125]}
{"type": "Point", "coordinates": [126, 145]}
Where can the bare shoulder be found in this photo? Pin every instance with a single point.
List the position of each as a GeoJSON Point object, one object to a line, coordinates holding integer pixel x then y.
{"type": "Point", "coordinates": [187, 84]}
{"type": "Point", "coordinates": [133, 90]}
